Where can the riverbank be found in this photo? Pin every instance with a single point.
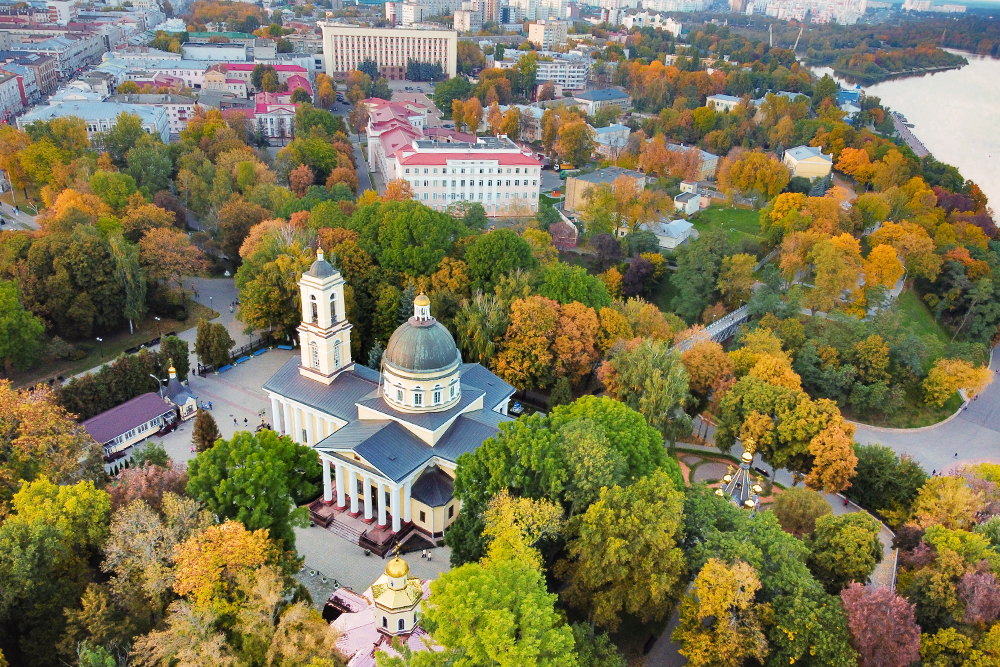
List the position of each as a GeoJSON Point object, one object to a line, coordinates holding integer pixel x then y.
{"type": "Point", "coordinates": [857, 76]}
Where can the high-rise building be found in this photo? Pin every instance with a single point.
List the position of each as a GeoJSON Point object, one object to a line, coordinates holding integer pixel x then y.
{"type": "Point", "coordinates": [345, 47]}
{"type": "Point", "coordinates": [547, 34]}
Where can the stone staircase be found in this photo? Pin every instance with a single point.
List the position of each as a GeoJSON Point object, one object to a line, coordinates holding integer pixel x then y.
{"type": "Point", "coordinates": [345, 529]}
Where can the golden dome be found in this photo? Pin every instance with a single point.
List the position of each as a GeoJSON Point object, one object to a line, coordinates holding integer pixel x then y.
{"type": "Point", "coordinates": [747, 457]}
{"type": "Point", "coordinates": [421, 300]}
{"type": "Point", "coordinates": [397, 568]}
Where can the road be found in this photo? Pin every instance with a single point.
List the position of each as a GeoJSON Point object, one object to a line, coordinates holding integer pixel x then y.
{"type": "Point", "coordinates": [911, 139]}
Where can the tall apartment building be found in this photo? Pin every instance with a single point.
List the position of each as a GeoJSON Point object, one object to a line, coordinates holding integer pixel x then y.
{"type": "Point", "coordinates": [470, 17]}
{"type": "Point", "coordinates": [345, 47]}
{"type": "Point", "coordinates": [547, 34]}
{"type": "Point", "coordinates": [561, 70]}
{"type": "Point", "coordinates": [62, 12]}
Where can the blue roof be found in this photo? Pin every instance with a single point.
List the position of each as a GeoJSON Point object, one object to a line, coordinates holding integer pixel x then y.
{"type": "Point", "coordinates": [338, 399]}
{"type": "Point", "coordinates": [852, 96]}
{"type": "Point", "coordinates": [603, 95]}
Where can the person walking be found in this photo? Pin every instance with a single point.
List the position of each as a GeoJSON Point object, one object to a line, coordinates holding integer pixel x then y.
{"type": "Point", "coordinates": [235, 423]}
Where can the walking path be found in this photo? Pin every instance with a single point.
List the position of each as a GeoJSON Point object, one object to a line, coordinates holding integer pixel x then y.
{"type": "Point", "coordinates": [22, 219]}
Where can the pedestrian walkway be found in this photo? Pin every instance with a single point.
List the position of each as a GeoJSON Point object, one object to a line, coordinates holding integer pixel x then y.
{"type": "Point", "coordinates": [23, 220]}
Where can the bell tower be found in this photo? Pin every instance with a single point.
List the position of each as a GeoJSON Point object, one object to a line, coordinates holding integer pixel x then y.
{"type": "Point", "coordinates": [325, 333]}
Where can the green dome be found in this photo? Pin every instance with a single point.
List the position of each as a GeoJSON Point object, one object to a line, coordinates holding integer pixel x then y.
{"type": "Point", "coordinates": [421, 346]}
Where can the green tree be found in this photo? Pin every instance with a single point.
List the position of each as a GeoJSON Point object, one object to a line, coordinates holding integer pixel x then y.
{"type": "Point", "coordinates": [497, 254]}
{"type": "Point", "coordinates": [212, 344]}
{"type": "Point", "coordinates": [268, 285]}
{"type": "Point", "coordinates": [500, 615]}
{"type": "Point", "coordinates": [114, 188]}
{"type": "Point", "coordinates": [125, 134]}
{"type": "Point", "coordinates": [175, 351]}
{"type": "Point", "coordinates": [595, 650]}
{"type": "Point", "coordinates": [150, 165]}
{"type": "Point", "coordinates": [696, 278]}
{"type": "Point", "coordinates": [447, 91]}
{"type": "Point", "coordinates": [736, 279]}
{"type": "Point", "coordinates": [844, 548]}
{"type": "Point", "coordinates": [46, 543]}
{"type": "Point", "coordinates": [566, 283]}
{"type": "Point", "coordinates": [132, 276]}
{"type": "Point", "coordinates": [609, 569]}
{"type": "Point", "coordinates": [300, 96]}
{"type": "Point", "coordinates": [798, 508]}
{"type": "Point", "coordinates": [20, 331]}
{"type": "Point", "coordinates": [651, 379]}
{"type": "Point", "coordinates": [885, 481]}
{"type": "Point", "coordinates": [412, 238]}
{"type": "Point", "coordinates": [205, 431]}
{"type": "Point", "coordinates": [257, 479]}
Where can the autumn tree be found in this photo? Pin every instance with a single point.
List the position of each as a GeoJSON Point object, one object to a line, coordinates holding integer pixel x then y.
{"type": "Point", "coordinates": [837, 263]}
{"type": "Point", "coordinates": [148, 482]}
{"type": "Point", "coordinates": [736, 278]}
{"type": "Point", "coordinates": [169, 256]}
{"type": "Point", "coordinates": [526, 360]}
{"type": "Point", "coordinates": [213, 343]}
{"type": "Point", "coordinates": [798, 509]}
{"type": "Point", "coordinates": [235, 220]}
{"type": "Point", "coordinates": [707, 366]}
{"type": "Point", "coordinates": [720, 621]}
{"type": "Point", "coordinates": [651, 379]}
{"type": "Point", "coordinates": [300, 179]}
{"type": "Point", "coordinates": [753, 173]}
{"type": "Point", "coordinates": [882, 267]}
{"type": "Point", "coordinates": [514, 525]}
{"type": "Point", "coordinates": [575, 142]}
{"type": "Point", "coordinates": [946, 502]}
{"type": "Point", "coordinates": [882, 625]}
{"type": "Point", "coordinates": [205, 431]}
{"type": "Point", "coordinates": [608, 569]}
{"type": "Point", "coordinates": [472, 114]}
{"type": "Point", "coordinates": [833, 459]}
{"type": "Point", "coordinates": [844, 548]}
{"type": "Point", "coordinates": [950, 375]}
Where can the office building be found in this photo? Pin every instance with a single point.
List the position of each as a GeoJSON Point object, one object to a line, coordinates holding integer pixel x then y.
{"type": "Point", "coordinates": [547, 34]}
{"type": "Point", "coordinates": [345, 47]}
{"type": "Point", "coordinates": [101, 116]}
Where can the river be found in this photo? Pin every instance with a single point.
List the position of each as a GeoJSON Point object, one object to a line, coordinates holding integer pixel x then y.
{"type": "Point", "coordinates": [955, 113]}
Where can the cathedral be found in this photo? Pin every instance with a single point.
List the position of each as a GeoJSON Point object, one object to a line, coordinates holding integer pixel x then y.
{"type": "Point", "coordinates": [388, 440]}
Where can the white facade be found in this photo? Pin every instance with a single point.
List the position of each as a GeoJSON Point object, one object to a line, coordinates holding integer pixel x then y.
{"type": "Point", "coordinates": [224, 53]}
{"type": "Point", "coordinates": [101, 116]}
{"type": "Point", "coordinates": [192, 72]}
{"type": "Point", "coordinates": [414, 12]}
{"type": "Point", "coordinates": [570, 73]}
{"type": "Point", "coordinates": [345, 47]}
{"type": "Point", "coordinates": [10, 96]}
{"type": "Point", "coordinates": [72, 53]}
{"type": "Point", "coordinates": [62, 12]}
{"type": "Point", "coordinates": [647, 20]}
{"type": "Point", "coordinates": [547, 34]}
{"type": "Point", "coordinates": [494, 172]}
{"type": "Point", "coordinates": [179, 109]}
{"type": "Point", "coordinates": [676, 5]}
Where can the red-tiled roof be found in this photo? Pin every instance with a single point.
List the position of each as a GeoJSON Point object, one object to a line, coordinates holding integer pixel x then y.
{"type": "Point", "coordinates": [127, 416]}
{"type": "Point", "coordinates": [235, 81]}
{"type": "Point", "coordinates": [248, 67]}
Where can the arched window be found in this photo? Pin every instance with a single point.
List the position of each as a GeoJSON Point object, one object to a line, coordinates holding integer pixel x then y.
{"type": "Point", "coordinates": [402, 624]}
{"type": "Point", "coordinates": [399, 394]}
{"type": "Point", "coordinates": [333, 309]}
{"type": "Point", "coordinates": [453, 389]}
{"type": "Point", "coordinates": [385, 622]}
{"type": "Point", "coordinates": [418, 396]}
{"type": "Point", "coordinates": [315, 309]}
{"type": "Point", "coordinates": [437, 395]}
{"type": "Point", "coordinates": [314, 351]}
{"type": "Point", "coordinates": [336, 354]}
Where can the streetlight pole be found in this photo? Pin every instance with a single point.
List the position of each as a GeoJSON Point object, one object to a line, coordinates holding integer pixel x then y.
{"type": "Point", "coordinates": [100, 342]}
{"type": "Point", "coordinates": [157, 326]}
{"type": "Point", "coordinates": [211, 304]}
{"type": "Point", "coordinates": [159, 383]}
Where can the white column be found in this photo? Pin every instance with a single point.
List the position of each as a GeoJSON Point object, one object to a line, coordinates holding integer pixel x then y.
{"type": "Point", "coordinates": [287, 425]}
{"type": "Point", "coordinates": [406, 501]}
{"type": "Point", "coordinates": [275, 415]}
{"type": "Point", "coordinates": [381, 504]}
{"type": "Point", "coordinates": [296, 425]}
{"type": "Point", "coordinates": [327, 484]}
{"type": "Point", "coordinates": [341, 501]}
{"type": "Point", "coordinates": [353, 486]}
{"type": "Point", "coordinates": [311, 427]}
{"type": "Point", "coordinates": [394, 506]}
{"type": "Point", "coordinates": [368, 497]}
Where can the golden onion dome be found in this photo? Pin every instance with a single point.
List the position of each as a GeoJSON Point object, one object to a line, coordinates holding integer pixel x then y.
{"type": "Point", "coordinates": [397, 568]}
{"type": "Point", "coordinates": [421, 300]}
{"type": "Point", "coordinates": [747, 457]}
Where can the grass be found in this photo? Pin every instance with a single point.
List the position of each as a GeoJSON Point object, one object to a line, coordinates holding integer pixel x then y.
{"type": "Point", "coordinates": [914, 413]}
{"type": "Point", "coordinates": [664, 294]}
{"type": "Point", "coordinates": [737, 222]}
{"type": "Point", "coordinates": [113, 345]}
{"type": "Point", "coordinates": [917, 317]}
{"type": "Point", "coordinates": [19, 199]}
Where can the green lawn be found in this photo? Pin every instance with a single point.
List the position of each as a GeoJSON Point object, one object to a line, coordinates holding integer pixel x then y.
{"type": "Point", "coordinates": [738, 222]}
{"type": "Point", "coordinates": [917, 317]}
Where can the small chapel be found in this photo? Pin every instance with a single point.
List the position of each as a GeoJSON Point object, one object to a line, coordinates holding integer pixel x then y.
{"type": "Point", "coordinates": [388, 439]}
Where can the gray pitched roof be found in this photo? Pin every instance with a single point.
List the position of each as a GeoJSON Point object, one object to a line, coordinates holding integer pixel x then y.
{"type": "Point", "coordinates": [337, 399]}
{"type": "Point", "coordinates": [177, 392]}
{"type": "Point", "coordinates": [429, 420]}
{"type": "Point", "coordinates": [110, 424]}
{"type": "Point", "coordinates": [603, 95]}
{"type": "Point", "coordinates": [395, 452]}
{"type": "Point", "coordinates": [433, 488]}
{"type": "Point", "coordinates": [497, 391]}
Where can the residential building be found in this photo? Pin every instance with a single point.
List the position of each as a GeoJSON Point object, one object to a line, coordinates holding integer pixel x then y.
{"type": "Point", "coordinates": [676, 5]}
{"type": "Point", "coordinates": [570, 72]}
{"type": "Point", "coordinates": [216, 78]}
{"type": "Point", "coordinates": [214, 52]}
{"type": "Point", "coordinates": [131, 422]}
{"type": "Point", "coordinates": [593, 101]}
{"type": "Point", "coordinates": [179, 108]}
{"type": "Point", "coordinates": [243, 38]}
{"type": "Point", "coordinates": [191, 72]}
{"type": "Point", "coordinates": [142, 54]}
{"type": "Point", "coordinates": [531, 121]}
{"type": "Point", "coordinates": [383, 436]}
{"type": "Point", "coordinates": [708, 163]}
{"type": "Point", "coordinates": [610, 141]}
{"type": "Point", "coordinates": [547, 34]}
{"type": "Point", "coordinates": [44, 68]}
{"type": "Point", "coordinates": [687, 203]}
{"type": "Point", "coordinates": [648, 20]}
{"type": "Point", "coordinates": [62, 12]}
{"type": "Point", "coordinates": [101, 116]}
{"type": "Point", "coordinates": [415, 12]}
{"type": "Point", "coordinates": [345, 47]}
{"type": "Point", "coordinates": [723, 103]}
{"type": "Point", "coordinates": [11, 99]}
{"type": "Point", "coordinates": [470, 17]}
{"type": "Point", "coordinates": [808, 162]}
{"type": "Point", "coordinates": [71, 52]}
{"type": "Point", "coordinates": [669, 233]}
{"type": "Point", "coordinates": [27, 85]}
{"type": "Point", "coordinates": [577, 186]}
{"type": "Point", "coordinates": [244, 72]}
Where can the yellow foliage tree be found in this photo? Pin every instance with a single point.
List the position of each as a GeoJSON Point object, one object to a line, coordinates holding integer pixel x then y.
{"type": "Point", "coordinates": [950, 375]}
{"type": "Point", "coordinates": [614, 326]}
{"type": "Point", "coordinates": [707, 365]}
{"type": "Point", "coordinates": [834, 461]}
{"type": "Point", "coordinates": [514, 526]}
{"type": "Point", "coordinates": [946, 501]}
{"type": "Point", "coordinates": [882, 267]}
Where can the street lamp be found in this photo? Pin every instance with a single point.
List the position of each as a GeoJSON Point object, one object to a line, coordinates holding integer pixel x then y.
{"type": "Point", "coordinates": [211, 304]}
{"type": "Point", "coordinates": [157, 326]}
{"type": "Point", "coordinates": [159, 383]}
{"type": "Point", "coordinates": [100, 342]}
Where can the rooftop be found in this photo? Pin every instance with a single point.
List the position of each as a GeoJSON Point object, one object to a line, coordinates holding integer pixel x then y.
{"type": "Point", "coordinates": [603, 95]}
{"type": "Point", "coordinates": [91, 111]}
{"type": "Point", "coordinates": [607, 175]}
{"type": "Point", "coordinates": [805, 152]}
{"type": "Point", "coordinates": [109, 425]}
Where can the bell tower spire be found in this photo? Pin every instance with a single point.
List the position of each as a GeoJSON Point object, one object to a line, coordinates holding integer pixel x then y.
{"type": "Point", "coordinates": [325, 333]}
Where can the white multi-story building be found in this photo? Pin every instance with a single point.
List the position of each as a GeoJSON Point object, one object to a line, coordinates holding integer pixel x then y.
{"type": "Point", "coordinates": [62, 12]}
{"type": "Point", "coordinates": [547, 34]}
{"type": "Point", "coordinates": [415, 12]}
{"type": "Point", "coordinates": [179, 108]}
{"type": "Point", "coordinates": [72, 52]}
{"type": "Point", "coordinates": [101, 116]}
{"type": "Point", "coordinates": [345, 47]}
{"type": "Point", "coordinates": [222, 53]}
{"type": "Point", "coordinates": [11, 102]}
{"type": "Point", "coordinates": [647, 20]}
{"type": "Point", "coordinates": [494, 172]}
{"type": "Point", "coordinates": [141, 54]}
{"type": "Point", "coordinates": [470, 17]}
{"type": "Point", "coordinates": [570, 72]}
{"type": "Point", "coordinates": [26, 80]}
{"type": "Point", "coordinates": [191, 72]}
{"type": "Point", "coordinates": [676, 5]}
